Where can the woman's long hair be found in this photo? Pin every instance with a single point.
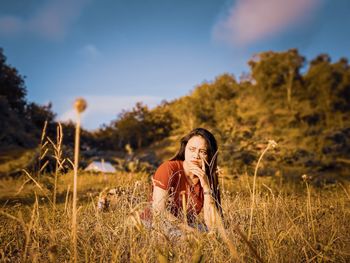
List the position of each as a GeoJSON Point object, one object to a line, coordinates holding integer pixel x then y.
{"type": "Point", "coordinates": [211, 164]}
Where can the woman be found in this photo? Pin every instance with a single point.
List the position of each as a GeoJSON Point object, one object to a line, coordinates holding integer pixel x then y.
{"type": "Point", "coordinates": [188, 183]}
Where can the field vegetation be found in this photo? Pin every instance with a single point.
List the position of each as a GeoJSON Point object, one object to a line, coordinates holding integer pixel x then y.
{"type": "Point", "coordinates": [291, 223]}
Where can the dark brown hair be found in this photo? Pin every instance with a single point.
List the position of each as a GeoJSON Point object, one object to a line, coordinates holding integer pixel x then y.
{"type": "Point", "coordinates": [211, 165]}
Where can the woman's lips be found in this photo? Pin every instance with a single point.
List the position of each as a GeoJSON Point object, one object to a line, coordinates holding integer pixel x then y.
{"type": "Point", "coordinates": [197, 163]}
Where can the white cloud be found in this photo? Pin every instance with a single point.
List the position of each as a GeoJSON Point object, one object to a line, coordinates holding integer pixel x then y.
{"type": "Point", "coordinates": [251, 20]}
{"type": "Point", "coordinates": [103, 109]}
{"type": "Point", "coordinates": [52, 20]}
{"type": "Point", "coordinates": [90, 51]}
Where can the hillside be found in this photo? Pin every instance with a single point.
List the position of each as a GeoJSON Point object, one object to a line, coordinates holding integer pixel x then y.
{"type": "Point", "coordinates": [307, 114]}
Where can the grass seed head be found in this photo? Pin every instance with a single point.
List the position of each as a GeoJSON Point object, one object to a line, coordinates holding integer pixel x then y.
{"type": "Point", "coordinates": [80, 105]}
{"type": "Point", "coordinates": [272, 143]}
{"type": "Point", "coordinates": [306, 178]}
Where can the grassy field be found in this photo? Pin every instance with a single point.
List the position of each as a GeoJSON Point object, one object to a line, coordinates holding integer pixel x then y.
{"type": "Point", "coordinates": [291, 223]}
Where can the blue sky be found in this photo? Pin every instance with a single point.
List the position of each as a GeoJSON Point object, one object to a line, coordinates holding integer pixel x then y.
{"type": "Point", "coordinates": [117, 52]}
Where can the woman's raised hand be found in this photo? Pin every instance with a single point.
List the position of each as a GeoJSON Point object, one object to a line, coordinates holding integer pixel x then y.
{"type": "Point", "coordinates": [200, 173]}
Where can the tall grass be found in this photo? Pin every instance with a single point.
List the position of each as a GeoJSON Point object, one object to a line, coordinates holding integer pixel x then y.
{"type": "Point", "coordinates": [57, 147]}
{"type": "Point", "coordinates": [281, 228]}
{"type": "Point", "coordinates": [290, 223]}
{"type": "Point", "coordinates": [80, 106]}
{"type": "Point", "coordinates": [271, 144]}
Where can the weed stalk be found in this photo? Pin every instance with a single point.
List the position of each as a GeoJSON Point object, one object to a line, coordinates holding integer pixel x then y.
{"type": "Point", "coordinates": [80, 106]}
{"type": "Point", "coordinates": [271, 144]}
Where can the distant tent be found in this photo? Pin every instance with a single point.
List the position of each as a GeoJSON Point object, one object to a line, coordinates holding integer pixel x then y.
{"type": "Point", "coordinates": [105, 167]}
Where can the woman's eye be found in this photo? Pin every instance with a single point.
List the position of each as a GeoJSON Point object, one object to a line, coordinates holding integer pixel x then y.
{"type": "Point", "coordinates": [204, 153]}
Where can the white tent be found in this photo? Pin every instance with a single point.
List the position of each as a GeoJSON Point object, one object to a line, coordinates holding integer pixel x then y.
{"type": "Point", "coordinates": [105, 167]}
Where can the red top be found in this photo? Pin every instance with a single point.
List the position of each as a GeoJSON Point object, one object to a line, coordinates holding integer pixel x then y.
{"type": "Point", "coordinates": [170, 176]}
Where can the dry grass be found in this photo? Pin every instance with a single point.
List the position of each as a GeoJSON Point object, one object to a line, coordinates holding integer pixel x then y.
{"type": "Point", "coordinates": [299, 224]}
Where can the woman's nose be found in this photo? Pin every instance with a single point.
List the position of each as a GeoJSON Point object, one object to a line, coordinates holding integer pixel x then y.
{"type": "Point", "coordinates": [197, 155]}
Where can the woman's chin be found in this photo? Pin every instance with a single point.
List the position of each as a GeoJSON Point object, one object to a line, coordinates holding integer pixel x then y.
{"type": "Point", "coordinates": [194, 180]}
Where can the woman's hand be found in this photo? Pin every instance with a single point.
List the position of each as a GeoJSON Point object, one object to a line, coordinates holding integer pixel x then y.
{"type": "Point", "coordinates": [200, 173]}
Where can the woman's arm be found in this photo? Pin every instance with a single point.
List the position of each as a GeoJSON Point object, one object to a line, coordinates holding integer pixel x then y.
{"type": "Point", "coordinates": [160, 199]}
{"type": "Point", "coordinates": [211, 215]}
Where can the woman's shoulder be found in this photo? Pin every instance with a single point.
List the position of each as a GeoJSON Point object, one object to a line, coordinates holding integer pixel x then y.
{"type": "Point", "coordinates": [167, 172]}
{"type": "Point", "coordinates": [173, 165]}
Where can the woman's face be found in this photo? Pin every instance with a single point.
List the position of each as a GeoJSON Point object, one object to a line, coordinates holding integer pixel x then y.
{"type": "Point", "coordinates": [196, 150]}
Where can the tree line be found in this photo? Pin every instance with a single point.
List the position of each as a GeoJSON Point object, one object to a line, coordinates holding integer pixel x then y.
{"type": "Point", "coordinates": [303, 105]}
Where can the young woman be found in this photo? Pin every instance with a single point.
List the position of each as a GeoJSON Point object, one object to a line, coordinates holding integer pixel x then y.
{"type": "Point", "coordinates": [188, 183]}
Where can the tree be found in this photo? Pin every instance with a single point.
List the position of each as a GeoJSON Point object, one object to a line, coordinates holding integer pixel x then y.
{"type": "Point", "coordinates": [275, 71]}
{"type": "Point", "coordinates": [106, 138]}
{"type": "Point", "coordinates": [342, 92]}
{"type": "Point", "coordinates": [12, 107]}
{"type": "Point", "coordinates": [38, 114]}
{"type": "Point", "coordinates": [130, 126]}
{"type": "Point", "coordinates": [206, 98]}
{"type": "Point", "coordinates": [328, 86]}
{"type": "Point", "coordinates": [159, 122]}
{"type": "Point", "coordinates": [12, 85]}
